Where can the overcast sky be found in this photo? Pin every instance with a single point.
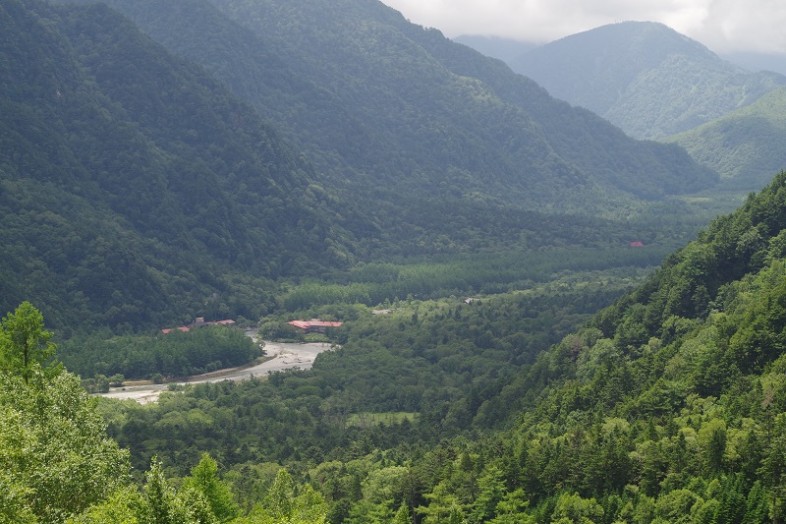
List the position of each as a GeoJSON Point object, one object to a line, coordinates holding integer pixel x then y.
{"type": "Point", "coordinates": [722, 25]}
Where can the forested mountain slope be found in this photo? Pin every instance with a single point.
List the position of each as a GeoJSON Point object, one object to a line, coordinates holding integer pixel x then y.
{"type": "Point", "coordinates": [644, 77]}
{"type": "Point", "coordinates": [666, 407]}
{"type": "Point", "coordinates": [669, 405]}
{"type": "Point", "coordinates": [133, 185]}
{"type": "Point", "coordinates": [397, 112]}
{"type": "Point", "coordinates": [138, 191]}
{"type": "Point", "coordinates": [743, 144]}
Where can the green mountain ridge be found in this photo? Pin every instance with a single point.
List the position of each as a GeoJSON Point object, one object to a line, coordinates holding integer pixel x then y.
{"type": "Point", "coordinates": [664, 408]}
{"type": "Point", "coordinates": [393, 91]}
{"type": "Point", "coordinates": [139, 192]}
{"type": "Point", "coordinates": [744, 144]}
{"type": "Point", "coordinates": [644, 77]}
{"type": "Point", "coordinates": [120, 202]}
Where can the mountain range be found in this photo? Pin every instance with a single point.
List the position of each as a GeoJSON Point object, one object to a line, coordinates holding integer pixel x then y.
{"type": "Point", "coordinates": [383, 92]}
{"type": "Point", "coordinates": [161, 159]}
{"type": "Point", "coordinates": [656, 83]}
{"type": "Point", "coordinates": [644, 77]}
{"type": "Point", "coordinates": [132, 183]}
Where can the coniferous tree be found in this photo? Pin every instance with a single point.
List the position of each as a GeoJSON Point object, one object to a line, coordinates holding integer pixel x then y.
{"type": "Point", "coordinates": [205, 480]}
{"type": "Point", "coordinates": [25, 344]}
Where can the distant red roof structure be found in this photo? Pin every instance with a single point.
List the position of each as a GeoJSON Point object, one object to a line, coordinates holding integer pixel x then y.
{"type": "Point", "coordinates": [636, 243]}
{"type": "Point", "coordinates": [314, 325]}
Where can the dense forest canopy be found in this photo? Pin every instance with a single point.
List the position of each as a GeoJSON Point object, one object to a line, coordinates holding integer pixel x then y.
{"type": "Point", "coordinates": [133, 186]}
{"type": "Point", "coordinates": [664, 407]}
{"type": "Point", "coordinates": [388, 90]}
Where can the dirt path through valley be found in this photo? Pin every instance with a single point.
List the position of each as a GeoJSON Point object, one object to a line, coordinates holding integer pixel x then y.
{"type": "Point", "coordinates": [285, 356]}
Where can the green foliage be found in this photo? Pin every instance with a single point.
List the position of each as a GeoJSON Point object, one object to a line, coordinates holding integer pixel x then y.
{"type": "Point", "coordinates": [666, 407]}
{"type": "Point", "coordinates": [443, 506]}
{"type": "Point", "coordinates": [159, 502]}
{"type": "Point", "coordinates": [14, 497]}
{"type": "Point", "coordinates": [743, 145]}
{"type": "Point", "coordinates": [385, 282]}
{"type": "Point", "coordinates": [274, 329]}
{"type": "Point", "coordinates": [403, 515]}
{"type": "Point", "coordinates": [473, 100]}
{"type": "Point", "coordinates": [25, 345]}
{"type": "Point", "coordinates": [164, 505]}
{"type": "Point", "coordinates": [122, 507]}
{"type": "Point", "coordinates": [424, 370]}
{"type": "Point", "coordinates": [52, 439]}
{"type": "Point", "coordinates": [573, 509]}
{"type": "Point", "coordinates": [205, 480]}
{"type": "Point", "coordinates": [131, 190]}
{"type": "Point", "coordinates": [283, 505]}
{"type": "Point", "coordinates": [492, 491]}
{"type": "Point", "coordinates": [136, 190]}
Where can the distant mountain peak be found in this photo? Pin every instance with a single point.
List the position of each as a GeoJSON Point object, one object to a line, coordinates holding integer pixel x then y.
{"type": "Point", "coordinates": [635, 31]}
{"type": "Point", "coordinates": [645, 77]}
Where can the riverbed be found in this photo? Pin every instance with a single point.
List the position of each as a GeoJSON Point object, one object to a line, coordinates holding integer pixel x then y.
{"type": "Point", "coordinates": [284, 355]}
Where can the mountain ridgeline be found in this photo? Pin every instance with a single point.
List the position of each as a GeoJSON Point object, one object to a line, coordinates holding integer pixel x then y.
{"type": "Point", "coordinates": [743, 146]}
{"type": "Point", "coordinates": [644, 77]}
{"type": "Point", "coordinates": [134, 187]}
{"type": "Point", "coordinates": [180, 160]}
{"type": "Point", "coordinates": [390, 108]}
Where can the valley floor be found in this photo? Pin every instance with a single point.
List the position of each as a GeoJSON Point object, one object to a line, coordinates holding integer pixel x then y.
{"type": "Point", "coordinates": [284, 356]}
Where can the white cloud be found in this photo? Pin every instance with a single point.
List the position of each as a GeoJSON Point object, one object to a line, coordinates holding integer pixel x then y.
{"type": "Point", "coordinates": [722, 25]}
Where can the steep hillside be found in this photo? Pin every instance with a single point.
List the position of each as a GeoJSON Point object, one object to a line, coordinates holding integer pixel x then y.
{"type": "Point", "coordinates": [644, 77]}
{"type": "Point", "coordinates": [668, 406]}
{"type": "Point", "coordinates": [132, 185]}
{"type": "Point", "coordinates": [398, 112]}
{"type": "Point", "coordinates": [671, 403]}
{"type": "Point", "coordinates": [743, 144]}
